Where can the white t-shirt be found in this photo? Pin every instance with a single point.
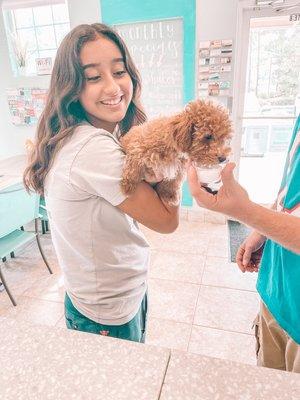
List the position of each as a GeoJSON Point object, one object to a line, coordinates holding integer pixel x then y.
{"type": "Point", "coordinates": [102, 252]}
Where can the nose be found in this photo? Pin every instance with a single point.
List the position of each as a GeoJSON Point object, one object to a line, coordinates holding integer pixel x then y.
{"type": "Point", "coordinates": [222, 159]}
{"type": "Point", "coordinates": [111, 87]}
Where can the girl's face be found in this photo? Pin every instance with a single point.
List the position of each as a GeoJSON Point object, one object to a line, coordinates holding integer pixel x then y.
{"type": "Point", "coordinates": [108, 88]}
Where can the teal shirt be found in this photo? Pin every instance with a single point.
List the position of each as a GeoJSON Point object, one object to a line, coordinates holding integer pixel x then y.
{"type": "Point", "coordinates": [279, 275]}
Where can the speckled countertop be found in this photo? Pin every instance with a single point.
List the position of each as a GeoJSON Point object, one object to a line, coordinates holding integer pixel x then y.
{"type": "Point", "coordinates": [194, 377]}
{"type": "Point", "coordinates": [41, 363]}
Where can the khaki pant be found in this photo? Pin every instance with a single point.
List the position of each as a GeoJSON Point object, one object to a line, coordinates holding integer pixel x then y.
{"type": "Point", "coordinates": [275, 349]}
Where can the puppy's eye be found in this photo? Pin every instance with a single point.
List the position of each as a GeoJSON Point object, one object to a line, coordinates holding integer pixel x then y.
{"type": "Point", "coordinates": [208, 136]}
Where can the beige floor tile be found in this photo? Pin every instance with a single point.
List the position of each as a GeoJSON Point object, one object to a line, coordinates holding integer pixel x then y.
{"type": "Point", "coordinates": [213, 229]}
{"type": "Point", "coordinates": [183, 213]}
{"type": "Point", "coordinates": [177, 266]}
{"type": "Point", "coordinates": [35, 311]}
{"type": "Point", "coordinates": [214, 217]}
{"type": "Point", "coordinates": [22, 272]}
{"type": "Point", "coordinates": [218, 245]}
{"type": "Point", "coordinates": [190, 237]}
{"type": "Point", "coordinates": [171, 334]}
{"type": "Point", "coordinates": [229, 309]}
{"type": "Point", "coordinates": [61, 323]}
{"type": "Point", "coordinates": [5, 303]}
{"type": "Point", "coordinates": [220, 272]}
{"type": "Point", "coordinates": [52, 289]}
{"type": "Point", "coordinates": [172, 300]}
{"type": "Point", "coordinates": [223, 344]}
{"type": "Point", "coordinates": [47, 246]}
{"type": "Point", "coordinates": [196, 215]}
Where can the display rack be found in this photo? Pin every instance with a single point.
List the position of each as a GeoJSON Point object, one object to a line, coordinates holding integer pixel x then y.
{"type": "Point", "coordinates": [215, 70]}
{"type": "Point", "coordinates": [26, 104]}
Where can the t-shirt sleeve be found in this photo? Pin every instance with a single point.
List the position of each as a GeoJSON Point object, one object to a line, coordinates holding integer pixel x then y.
{"type": "Point", "coordinates": [97, 169]}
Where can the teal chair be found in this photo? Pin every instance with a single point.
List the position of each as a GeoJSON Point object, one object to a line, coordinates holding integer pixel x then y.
{"type": "Point", "coordinates": [43, 215]}
{"type": "Point", "coordinates": [17, 208]}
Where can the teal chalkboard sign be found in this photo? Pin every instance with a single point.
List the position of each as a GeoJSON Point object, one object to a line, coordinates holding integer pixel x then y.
{"type": "Point", "coordinates": [156, 48]}
{"type": "Point", "coordinates": [172, 24]}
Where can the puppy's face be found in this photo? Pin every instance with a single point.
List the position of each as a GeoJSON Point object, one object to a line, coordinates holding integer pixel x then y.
{"type": "Point", "coordinates": [211, 133]}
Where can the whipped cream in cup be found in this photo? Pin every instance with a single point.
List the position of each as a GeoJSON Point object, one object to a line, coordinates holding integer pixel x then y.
{"type": "Point", "coordinates": [209, 176]}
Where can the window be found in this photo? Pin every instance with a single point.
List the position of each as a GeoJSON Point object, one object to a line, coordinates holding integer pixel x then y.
{"type": "Point", "coordinates": [34, 32]}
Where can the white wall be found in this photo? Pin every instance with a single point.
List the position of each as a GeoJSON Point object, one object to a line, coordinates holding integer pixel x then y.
{"type": "Point", "coordinates": [84, 12]}
{"type": "Point", "coordinates": [216, 19]}
{"type": "Point", "coordinates": [12, 138]}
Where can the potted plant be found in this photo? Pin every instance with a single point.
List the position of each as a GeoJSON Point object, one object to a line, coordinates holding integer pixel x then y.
{"type": "Point", "coordinates": [20, 52]}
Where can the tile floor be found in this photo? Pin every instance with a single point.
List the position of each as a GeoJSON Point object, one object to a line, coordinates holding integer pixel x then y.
{"type": "Point", "coordinates": [199, 302]}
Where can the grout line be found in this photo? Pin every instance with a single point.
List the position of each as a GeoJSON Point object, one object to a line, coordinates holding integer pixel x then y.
{"type": "Point", "coordinates": [175, 280]}
{"type": "Point", "coordinates": [198, 296]}
{"type": "Point", "coordinates": [224, 330]}
{"type": "Point", "coordinates": [174, 252]}
{"type": "Point", "coordinates": [178, 252]}
{"type": "Point", "coordinates": [47, 300]}
{"type": "Point", "coordinates": [230, 288]}
{"type": "Point", "coordinates": [164, 377]}
{"type": "Point", "coordinates": [171, 320]}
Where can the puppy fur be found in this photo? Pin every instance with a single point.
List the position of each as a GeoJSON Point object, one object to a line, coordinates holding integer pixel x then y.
{"type": "Point", "coordinates": [160, 148]}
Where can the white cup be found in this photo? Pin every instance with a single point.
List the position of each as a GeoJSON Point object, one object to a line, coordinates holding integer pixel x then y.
{"type": "Point", "coordinates": [209, 176]}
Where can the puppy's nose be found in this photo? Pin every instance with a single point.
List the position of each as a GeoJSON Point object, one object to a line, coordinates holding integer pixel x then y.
{"type": "Point", "coordinates": [222, 159]}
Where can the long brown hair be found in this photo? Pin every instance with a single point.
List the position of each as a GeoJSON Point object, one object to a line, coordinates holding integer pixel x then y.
{"type": "Point", "coordinates": [63, 111]}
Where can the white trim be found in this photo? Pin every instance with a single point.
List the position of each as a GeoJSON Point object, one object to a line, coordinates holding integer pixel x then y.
{"type": "Point", "coordinates": [246, 10]}
{"type": "Point", "coordinates": [15, 4]}
{"type": "Point", "coordinates": [270, 117]}
{"type": "Point", "coordinates": [239, 78]}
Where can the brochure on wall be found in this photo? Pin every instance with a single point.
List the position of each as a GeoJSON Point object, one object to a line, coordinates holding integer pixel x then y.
{"type": "Point", "coordinates": [214, 68]}
{"type": "Point", "coordinates": [26, 104]}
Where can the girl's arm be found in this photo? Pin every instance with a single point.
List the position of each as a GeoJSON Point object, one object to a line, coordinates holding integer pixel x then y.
{"type": "Point", "coordinates": [145, 206]}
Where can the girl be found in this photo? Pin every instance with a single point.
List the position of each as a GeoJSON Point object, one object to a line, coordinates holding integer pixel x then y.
{"type": "Point", "coordinates": [77, 164]}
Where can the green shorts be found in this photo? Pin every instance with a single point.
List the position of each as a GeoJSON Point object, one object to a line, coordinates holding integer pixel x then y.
{"type": "Point", "coordinates": [133, 330]}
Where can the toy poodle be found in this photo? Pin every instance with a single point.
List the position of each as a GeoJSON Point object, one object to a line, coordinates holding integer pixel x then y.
{"type": "Point", "coordinates": [158, 150]}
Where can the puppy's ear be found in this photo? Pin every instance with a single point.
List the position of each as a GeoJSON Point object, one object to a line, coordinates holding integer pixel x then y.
{"type": "Point", "coordinates": [183, 129]}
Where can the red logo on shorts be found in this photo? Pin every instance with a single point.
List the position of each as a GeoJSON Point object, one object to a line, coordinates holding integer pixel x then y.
{"type": "Point", "coordinates": [104, 333]}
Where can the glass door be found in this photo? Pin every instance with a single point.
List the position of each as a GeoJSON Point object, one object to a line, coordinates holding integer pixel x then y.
{"type": "Point", "coordinates": [271, 100]}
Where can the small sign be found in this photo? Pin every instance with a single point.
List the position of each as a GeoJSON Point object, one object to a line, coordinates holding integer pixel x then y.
{"type": "Point", "coordinates": [295, 17]}
{"type": "Point", "coordinates": [44, 65]}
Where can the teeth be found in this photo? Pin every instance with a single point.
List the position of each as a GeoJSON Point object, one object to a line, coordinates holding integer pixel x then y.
{"type": "Point", "coordinates": [112, 102]}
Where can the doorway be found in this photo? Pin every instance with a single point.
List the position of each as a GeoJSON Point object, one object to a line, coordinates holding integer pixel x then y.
{"type": "Point", "coordinates": [271, 100]}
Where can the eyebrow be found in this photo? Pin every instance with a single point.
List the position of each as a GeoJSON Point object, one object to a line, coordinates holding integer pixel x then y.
{"type": "Point", "coordinates": [114, 61]}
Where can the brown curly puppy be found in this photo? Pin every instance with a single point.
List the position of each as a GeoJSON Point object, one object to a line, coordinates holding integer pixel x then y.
{"type": "Point", "coordinates": [159, 149]}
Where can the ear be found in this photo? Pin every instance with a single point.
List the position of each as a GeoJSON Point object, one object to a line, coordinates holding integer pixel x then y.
{"type": "Point", "coordinates": [183, 128]}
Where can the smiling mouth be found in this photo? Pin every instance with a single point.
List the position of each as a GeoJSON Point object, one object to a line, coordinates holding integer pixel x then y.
{"type": "Point", "coordinates": [113, 102]}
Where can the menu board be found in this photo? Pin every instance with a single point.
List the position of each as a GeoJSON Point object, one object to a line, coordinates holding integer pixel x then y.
{"type": "Point", "coordinates": [26, 105]}
{"type": "Point", "coordinates": [156, 48]}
